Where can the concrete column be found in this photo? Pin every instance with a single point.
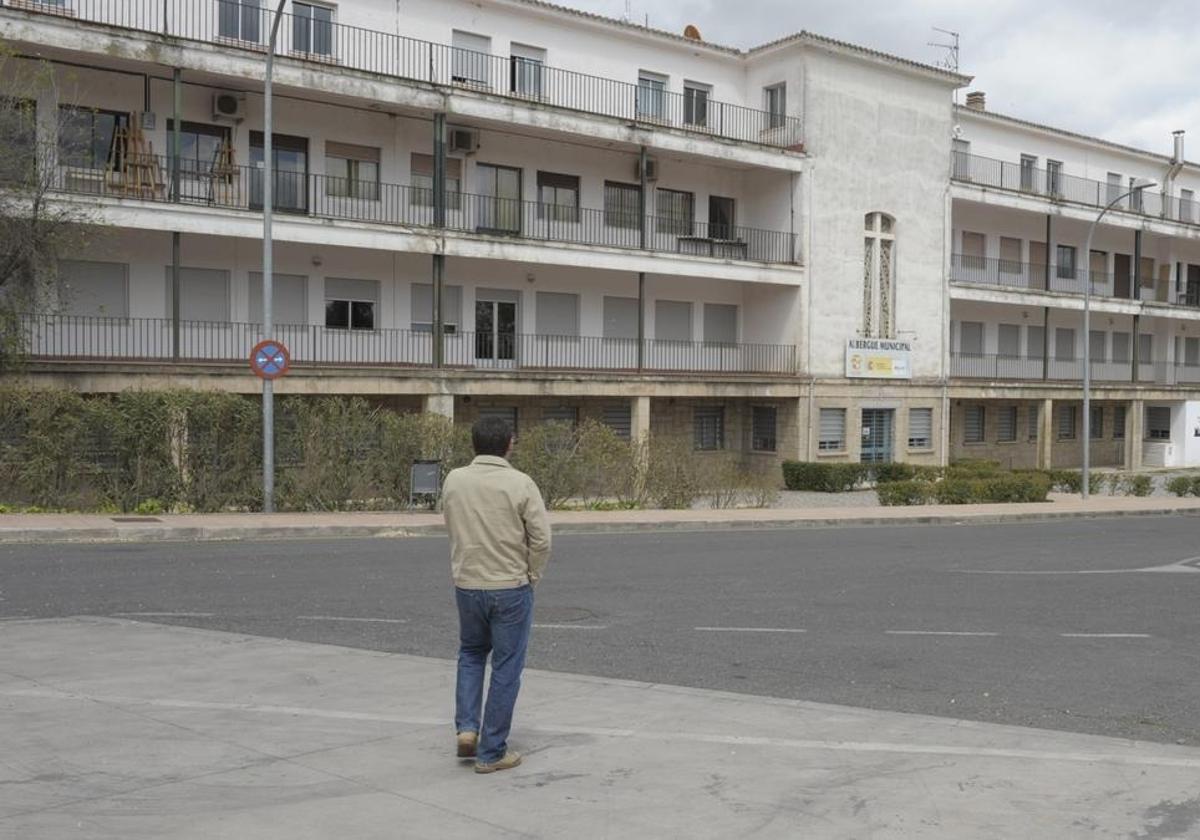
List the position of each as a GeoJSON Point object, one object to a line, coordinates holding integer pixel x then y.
{"type": "Point", "coordinates": [1045, 442]}
{"type": "Point", "coordinates": [442, 404]}
{"type": "Point", "coordinates": [639, 419]}
{"type": "Point", "coordinates": [1135, 430]}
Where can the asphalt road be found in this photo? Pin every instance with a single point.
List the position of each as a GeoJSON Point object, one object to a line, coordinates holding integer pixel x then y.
{"type": "Point", "coordinates": [1049, 625]}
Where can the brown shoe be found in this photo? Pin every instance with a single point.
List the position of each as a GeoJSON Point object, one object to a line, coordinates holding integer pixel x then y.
{"type": "Point", "coordinates": [467, 741]}
{"type": "Point", "coordinates": [510, 760]}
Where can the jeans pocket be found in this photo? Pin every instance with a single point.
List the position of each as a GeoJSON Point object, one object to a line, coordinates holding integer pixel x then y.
{"type": "Point", "coordinates": [514, 604]}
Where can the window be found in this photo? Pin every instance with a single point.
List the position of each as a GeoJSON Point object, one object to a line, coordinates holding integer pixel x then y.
{"type": "Point", "coordinates": [672, 320]}
{"type": "Point", "coordinates": [1028, 172]}
{"type": "Point", "coordinates": [421, 194]}
{"type": "Point", "coordinates": [651, 96]}
{"type": "Point", "coordinates": [1118, 422]}
{"type": "Point", "coordinates": [622, 205]}
{"type": "Point", "coordinates": [920, 428]}
{"type": "Point", "coordinates": [527, 67]}
{"type": "Point", "coordinates": [558, 197]}
{"type": "Point", "coordinates": [1010, 341]}
{"type": "Point", "coordinates": [19, 117]}
{"type": "Point", "coordinates": [1054, 178]}
{"type": "Point", "coordinates": [1033, 421]}
{"type": "Point", "coordinates": [502, 412]}
{"type": "Point", "coordinates": [203, 294]}
{"type": "Point", "coordinates": [1035, 342]}
{"type": "Point", "coordinates": [722, 217]}
{"type": "Point", "coordinates": [676, 212]}
{"type": "Point", "coordinates": [561, 414]}
{"type": "Point", "coordinates": [620, 317]}
{"type": "Point", "coordinates": [974, 250]}
{"type": "Point", "coordinates": [1114, 186]}
{"type": "Point", "coordinates": [695, 103]}
{"type": "Point", "coordinates": [1191, 352]}
{"type": "Point", "coordinates": [1097, 345]}
{"type": "Point", "coordinates": [974, 424]}
{"type": "Point", "coordinates": [763, 425]}
{"type": "Point", "coordinates": [1187, 205]}
{"type": "Point", "coordinates": [878, 317]}
{"type": "Point", "coordinates": [775, 104]}
{"type": "Point", "coordinates": [201, 147]}
{"type": "Point", "coordinates": [1067, 421]}
{"type": "Point", "coordinates": [1145, 349]}
{"type": "Point", "coordinates": [239, 20]}
{"type": "Point", "coordinates": [290, 186]}
{"type": "Point", "coordinates": [1120, 347]}
{"type": "Point", "coordinates": [1066, 261]}
{"type": "Point", "coordinates": [970, 338]}
{"type": "Point", "coordinates": [289, 298]}
{"type": "Point", "coordinates": [1064, 344]}
{"type": "Point", "coordinates": [619, 418]}
{"type": "Point", "coordinates": [1006, 424]}
{"type": "Point", "coordinates": [87, 137]}
{"type": "Point", "coordinates": [709, 427]}
{"type": "Point", "coordinates": [1010, 259]}
{"type": "Point", "coordinates": [500, 205]}
{"type": "Point", "coordinates": [1158, 423]}
{"type": "Point", "coordinates": [350, 304]}
{"type": "Point", "coordinates": [961, 160]}
{"type": "Point", "coordinates": [1135, 196]}
{"type": "Point", "coordinates": [312, 29]}
{"type": "Point", "coordinates": [351, 171]}
{"type": "Point", "coordinates": [720, 323]}
{"type": "Point", "coordinates": [557, 314]}
{"type": "Point", "coordinates": [470, 62]}
{"type": "Point", "coordinates": [422, 308]}
{"type": "Point", "coordinates": [93, 289]}
{"type": "Point", "coordinates": [1097, 424]}
{"type": "Point", "coordinates": [832, 430]}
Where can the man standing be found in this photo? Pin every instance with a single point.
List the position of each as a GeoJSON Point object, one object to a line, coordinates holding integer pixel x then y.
{"type": "Point", "coordinates": [499, 545]}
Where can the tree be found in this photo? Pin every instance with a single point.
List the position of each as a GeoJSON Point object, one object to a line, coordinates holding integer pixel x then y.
{"type": "Point", "coordinates": [36, 228]}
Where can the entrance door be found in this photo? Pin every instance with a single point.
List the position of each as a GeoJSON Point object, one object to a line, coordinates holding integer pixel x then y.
{"type": "Point", "coordinates": [290, 186]}
{"type": "Point", "coordinates": [1122, 273]}
{"type": "Point", "coordinates": [1192, 290]}
{"type": "Point", "coordinates": [720, 217]}
{"type": "Point", "coordinates": [877, 427]}
{"type": "Point", "coordinates": [495, 333]}
{"type": "Point", "coordinates": [500, 198]}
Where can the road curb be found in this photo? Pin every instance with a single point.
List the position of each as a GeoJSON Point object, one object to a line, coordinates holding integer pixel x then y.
{"type": "Point", "coordinates": [235, 533]}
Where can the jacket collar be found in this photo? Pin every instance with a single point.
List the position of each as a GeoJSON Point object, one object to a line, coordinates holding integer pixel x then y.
{"type": "Point", "coordinates": [491, 460]}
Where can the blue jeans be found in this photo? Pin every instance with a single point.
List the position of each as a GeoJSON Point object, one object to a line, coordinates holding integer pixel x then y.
{"type": "Point", "coordinates": [495, 621]}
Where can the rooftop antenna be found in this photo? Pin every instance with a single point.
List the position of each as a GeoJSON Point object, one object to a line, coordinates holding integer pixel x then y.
{"type": "Point", "coordinates": [950, 60]}
{"type": "Point", "coordinates": [628, 16]}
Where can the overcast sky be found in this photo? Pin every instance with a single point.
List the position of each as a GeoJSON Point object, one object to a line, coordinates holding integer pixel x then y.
{"type": "Point", "coordinates": [1126, 71]}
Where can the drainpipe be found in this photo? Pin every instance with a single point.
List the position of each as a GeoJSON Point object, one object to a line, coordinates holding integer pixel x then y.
{"type": "Point", "coordinates": [1172, 173]}
{"type": "Point", "coordinates": [439, 222]}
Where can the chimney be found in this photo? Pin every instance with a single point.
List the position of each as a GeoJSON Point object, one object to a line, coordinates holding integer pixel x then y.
{"type": "Point", "coordinates": [692, 33]}
{"type": "Point", "coordinates": [977, 100]}
{"type": "Point", "coordinates": [1178, 159]}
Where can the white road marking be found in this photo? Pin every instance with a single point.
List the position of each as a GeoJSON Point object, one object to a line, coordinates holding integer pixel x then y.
{"type": "Point", "coordinates": [571, 626]}
{"type": "Point", "coordinates": [353, 619]}
{"type": "Point", "coordinates": [1190, 565]}
{"type": "Point", "coordinates": [163, 614]}
{"type": "Point", "coordinates": [937, 633]}
{"type": "Point", "coordinates": [656, 735]}
{"type": "Point", "coordinates": [749, 630]}
{"type": "Point", "coordinates": [1106, 635]}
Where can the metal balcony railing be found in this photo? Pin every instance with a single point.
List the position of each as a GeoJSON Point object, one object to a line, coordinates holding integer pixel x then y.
{"type": "Point", "coordinates": [315, 38]}
{"type": "Point", "coordinates": [1031, 369]}
{"type": "Point", "coordinates": [1056, 186]}
{"type": "Point", "coordinates": [240, 187]}
{"type": "Point", "coordinates": [87, 338]}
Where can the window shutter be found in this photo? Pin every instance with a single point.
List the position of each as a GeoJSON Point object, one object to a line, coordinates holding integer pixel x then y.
{"type": "Point", "coordinates": [832, 429]}
{"type": "Point", "coordinates": [920, 428]}
{"type": "Point", "coordinates": [973, 424]}
{"type": "Point", "coordinates": [619, 418]}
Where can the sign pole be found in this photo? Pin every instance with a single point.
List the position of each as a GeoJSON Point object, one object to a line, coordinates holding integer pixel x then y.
{"type": "Point", "coordinates": [268, 325]}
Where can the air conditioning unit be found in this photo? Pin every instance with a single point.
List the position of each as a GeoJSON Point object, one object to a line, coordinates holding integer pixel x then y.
{"type": "Point", "coordinates": [651, 169]}
{"type": "Point", "coordinates": [229, 106]}
{"type": "Point", "coordinates": [462, 140]}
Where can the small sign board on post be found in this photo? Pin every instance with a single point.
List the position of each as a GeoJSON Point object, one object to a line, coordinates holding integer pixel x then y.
{"type": "Point", "coordinates": [878, 358]}
{"type": "Point", "coordinates": [425, 483]}
{"type": "Point", "coordinates": [270, 359]}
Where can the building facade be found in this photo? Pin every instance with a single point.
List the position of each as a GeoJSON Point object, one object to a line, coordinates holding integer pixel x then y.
{"type": "Point", "coordinates": [801, 250]}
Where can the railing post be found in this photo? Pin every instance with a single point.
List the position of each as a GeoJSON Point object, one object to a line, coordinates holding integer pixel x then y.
{"type": "Point", "coordinates": [641, 322]}
{"type": "Point", "coordinates": [176, 137]}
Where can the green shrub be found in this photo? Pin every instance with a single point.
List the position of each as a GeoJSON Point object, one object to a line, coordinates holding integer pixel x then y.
{"type": "Point", "coordinates": [673, 477]}
{"type": "Point", "coordinates": [1012, 489]}
{"type": "Point", "coordinates": [822, 477]}
{"type": "Point", "coordinates": [954, 491]}
{"type": "Point", "coordinates": [1131, 485]}
{"type": "Point", "coordinates": [974, 468]}
{"type": "Point", "coordinates": [149, 507]}
{"type": "Point", "coordinates": [894, 493]}
{"type": "Point", "coordinates": [888, 473]}
{"type": "Point", "coordinates": [1184, 485]}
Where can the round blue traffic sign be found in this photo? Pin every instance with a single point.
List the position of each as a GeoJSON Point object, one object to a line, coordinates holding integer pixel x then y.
{"type": "Point", "coordinates": [270, 359]}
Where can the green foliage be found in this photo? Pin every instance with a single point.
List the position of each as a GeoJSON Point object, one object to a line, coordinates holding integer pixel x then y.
{"type": "Point", "coordinates": [911, 492]}
{"type": "Point", "coordinates": [1184, 485]}
{"type": "Point", "coordinates": [975, 468]}
{"type": "Point", "coordinates": [955, 491]}
{"type": "Point", "coordinates": [586, 463]}
{"type": "Point", "coordinates": [822, 477]}
{"type": "Point", "coordinates": [673, 473]}
{"type": "Point", "coordinates": [887, 473]}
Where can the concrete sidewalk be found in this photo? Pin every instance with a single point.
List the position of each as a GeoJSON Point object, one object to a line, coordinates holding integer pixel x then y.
{"type": "Point", "coordinates": [25, 528]}
{"type": "Point", "coordinates": [113, 729]}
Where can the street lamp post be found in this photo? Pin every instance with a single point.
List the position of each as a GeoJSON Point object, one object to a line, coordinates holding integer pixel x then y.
{"type": "Point", "coordinates": [1136, 187]}
{"type": "Point", "coordinates": [268, 325]}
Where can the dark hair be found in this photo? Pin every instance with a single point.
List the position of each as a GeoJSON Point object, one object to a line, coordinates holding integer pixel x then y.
{"type": "Point", "coordinates": [491, 436]}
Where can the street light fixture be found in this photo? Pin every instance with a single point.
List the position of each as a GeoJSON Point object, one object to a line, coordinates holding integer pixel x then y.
{"type": "Point", "coordinates": [1136, 187]}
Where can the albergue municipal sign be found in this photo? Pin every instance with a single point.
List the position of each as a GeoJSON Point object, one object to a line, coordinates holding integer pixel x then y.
{"type": "Point", "coordinates": [878, 358]}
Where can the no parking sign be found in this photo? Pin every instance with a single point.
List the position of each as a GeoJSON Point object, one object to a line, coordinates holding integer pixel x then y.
{"type": "Point", "coordinates": [270, 359]}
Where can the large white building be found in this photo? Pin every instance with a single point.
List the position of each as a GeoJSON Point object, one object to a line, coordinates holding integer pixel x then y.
{"type": "Point", "coordinates": [803, 250]}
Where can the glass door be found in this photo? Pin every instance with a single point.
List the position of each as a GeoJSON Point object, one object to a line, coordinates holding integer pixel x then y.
{"type": "Point", "coordinates": [290, 186]}
{"type": "Point", "coordinates": [720, 217]}
{"type": "Point", "coordinates": [495, 333]}
{"type": "Point", "coordinates": [877, 435]}
{"type": "Point", "coordinates": [499, 199]}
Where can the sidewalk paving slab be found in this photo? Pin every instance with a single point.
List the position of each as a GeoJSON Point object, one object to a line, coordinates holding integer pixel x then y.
{"type": "Point", "coordinates": [118, 729]}
{"type": "Point", "coordinates": [42, 528]}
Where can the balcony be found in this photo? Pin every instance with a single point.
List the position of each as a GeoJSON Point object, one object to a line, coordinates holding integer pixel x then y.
{"type": "Point", "coordinates": [98, 339]}
{"type": "Point", "coordinates": [242, 25]}
{"type": "Point", "coordinates": [988, 271]}
{"type": "Point", "coordinates": [321, 196]}
{"type": "Point", "coordinates": [1031, 369]}
{"type": "Point", "coordinates": [1055, 186]}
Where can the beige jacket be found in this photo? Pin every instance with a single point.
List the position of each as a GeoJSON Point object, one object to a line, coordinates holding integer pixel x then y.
{"type": "Point", "coordinates": [499, 536]}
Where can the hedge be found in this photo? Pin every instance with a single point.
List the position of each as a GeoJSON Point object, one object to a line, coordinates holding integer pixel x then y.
{"type": "Point", "coordinates": [966, 491]}
{"type": "Point", "coordinates": [895, 493]}
{"type": "Point", "coordinates": [821, 477]}
{"type": "Point", "coordinates": [1185, 485]}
